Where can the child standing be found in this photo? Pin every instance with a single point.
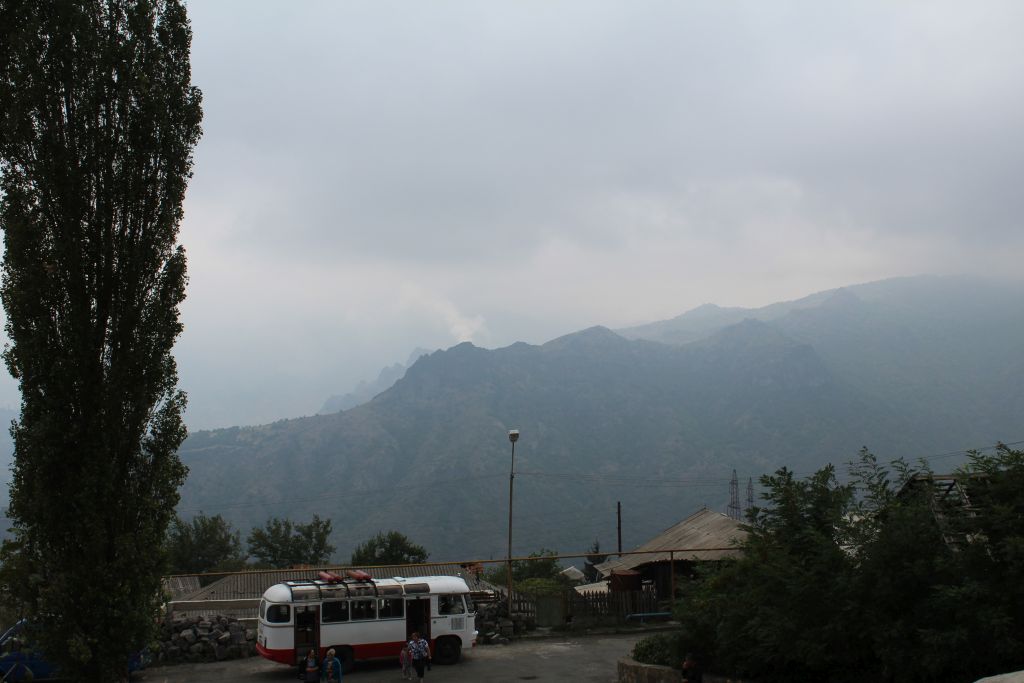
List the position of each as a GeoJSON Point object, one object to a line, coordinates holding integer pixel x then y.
{"type": "Point", "coordinates": [405, 659]}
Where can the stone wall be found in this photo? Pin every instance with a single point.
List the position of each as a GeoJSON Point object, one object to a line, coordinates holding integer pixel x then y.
{"type": "Point", "coordinates": [632, 671]}
{"type": "Point", "coordinates": [203, 639]}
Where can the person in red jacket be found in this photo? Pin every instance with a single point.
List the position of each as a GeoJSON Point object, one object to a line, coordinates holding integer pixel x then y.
{"type": "Point", "coordinates": [691, 670]}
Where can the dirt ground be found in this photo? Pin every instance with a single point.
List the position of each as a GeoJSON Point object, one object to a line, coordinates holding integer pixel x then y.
{"type": "Point", "coordinates": [588, 659]}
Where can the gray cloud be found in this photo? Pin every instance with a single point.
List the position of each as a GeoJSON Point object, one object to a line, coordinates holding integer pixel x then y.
{"type": "Point", "coordinates": [379, 176]}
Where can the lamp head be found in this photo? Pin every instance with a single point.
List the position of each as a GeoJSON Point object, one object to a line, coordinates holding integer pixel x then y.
{"type": "Point", "coordinates": [513, 435]}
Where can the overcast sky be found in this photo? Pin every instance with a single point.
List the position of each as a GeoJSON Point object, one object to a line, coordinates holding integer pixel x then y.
{"type": "Point", "coordinates": [377, 176]}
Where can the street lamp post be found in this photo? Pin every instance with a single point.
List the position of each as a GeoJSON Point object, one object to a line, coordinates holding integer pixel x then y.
{"type": "Point", "coordinates": [513, 436]}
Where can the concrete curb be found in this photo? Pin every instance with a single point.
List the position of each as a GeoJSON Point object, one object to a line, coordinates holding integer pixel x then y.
{"type": "Point", "coordinates": [607, 631]}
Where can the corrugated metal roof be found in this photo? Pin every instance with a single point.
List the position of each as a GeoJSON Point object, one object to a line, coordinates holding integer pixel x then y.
{"type": "Point", "coordinates": [180, 586]}
{"type": "Point", "coordinates": [252, 584]}
{"type": "Point", "coordinates": [597, 587]}
{"type": "Point", "coordinates": [704, 535]}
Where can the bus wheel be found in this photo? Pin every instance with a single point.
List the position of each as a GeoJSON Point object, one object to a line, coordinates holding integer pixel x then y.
{"type": "Point", "coordinates": [449, 649]}
{"type": "Point", "coordinates": [347, 658]}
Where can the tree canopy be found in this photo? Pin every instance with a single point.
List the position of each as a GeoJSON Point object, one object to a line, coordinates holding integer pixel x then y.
{"type": "Point", "coordinates": [281, 543]}
{"type": "Point", "coordinates": [541, 565]}
{"type": "Point", "coordinates": [203, 544]}
{"type": "Point", "coordinates": [97, 126]}
{"type": "Point", "coordinates": [391, 547]}
{"type": "Point", "coordinates": [878, 577]}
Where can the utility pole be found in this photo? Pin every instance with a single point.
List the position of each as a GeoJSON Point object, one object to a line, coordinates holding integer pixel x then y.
{"type": "Point", "coordinates": [618, 516]}
{"type": "Point", "coordinates": [513, 436]}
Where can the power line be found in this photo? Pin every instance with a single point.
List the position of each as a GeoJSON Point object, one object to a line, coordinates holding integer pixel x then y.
{"type": "Point", "coordinates": [619, 480]}
{"type": "Point", "coordinates": [951, 454]}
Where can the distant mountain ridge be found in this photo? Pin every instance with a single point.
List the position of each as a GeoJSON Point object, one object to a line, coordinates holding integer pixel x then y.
{"type": "Point", "coordinates": [907, 367]}
{"type": "Point", "coordinates": [365, 391]}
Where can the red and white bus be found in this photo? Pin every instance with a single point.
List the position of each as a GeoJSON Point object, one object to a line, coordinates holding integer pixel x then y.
{"type": "Point", "coordinates": [364, 618]}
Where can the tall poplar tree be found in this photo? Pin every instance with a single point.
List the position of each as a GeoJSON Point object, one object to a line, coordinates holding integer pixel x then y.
{"type": "Point", "coordinates": [98, 120]}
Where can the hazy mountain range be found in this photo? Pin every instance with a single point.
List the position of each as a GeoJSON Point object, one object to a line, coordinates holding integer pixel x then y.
{"type": "Point", "coordinates": [655, 417]}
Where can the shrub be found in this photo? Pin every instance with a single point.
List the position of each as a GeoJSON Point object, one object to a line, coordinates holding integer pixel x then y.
{"type": "Point", "coordinates": [539, 587]}
{"type": "Point", "coordinates": [664, 649]}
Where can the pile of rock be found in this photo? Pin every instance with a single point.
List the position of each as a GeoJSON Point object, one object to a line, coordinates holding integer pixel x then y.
{"type": "Point", "coordinates": [203, 639]}
{"type": "Point", "coordinates": [495, 627]}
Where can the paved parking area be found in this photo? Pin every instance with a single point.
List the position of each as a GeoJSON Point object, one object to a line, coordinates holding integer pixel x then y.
{"type": "Point", "coordinates": [588, 659]}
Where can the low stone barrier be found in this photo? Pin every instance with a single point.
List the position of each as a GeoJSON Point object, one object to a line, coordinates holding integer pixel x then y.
{"type": "Point", "coordinates": [203, 639]}
{"type": "Point", "coordinates": [632, 671]}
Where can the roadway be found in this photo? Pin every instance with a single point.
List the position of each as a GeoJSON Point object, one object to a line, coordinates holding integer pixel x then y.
{"type": "Point", "coordinates": [583, 658]}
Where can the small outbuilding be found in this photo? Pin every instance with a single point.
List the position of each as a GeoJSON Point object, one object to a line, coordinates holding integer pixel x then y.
{"type": "Point", "coordinates": [705, 536]}
{"type": "Point", "coordinates": [573, 574]}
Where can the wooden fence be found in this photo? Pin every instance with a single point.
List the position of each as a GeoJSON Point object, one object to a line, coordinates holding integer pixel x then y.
{"type": "Point", "coordinates": [522, 604]}
{"type": "Point", "coordinates": [611, 606]}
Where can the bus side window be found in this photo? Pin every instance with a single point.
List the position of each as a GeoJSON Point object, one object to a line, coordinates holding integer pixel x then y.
{"type": "Point", "coordinates": [364, 609]}
{"type": "Point", "coordinates": [263, 609]}
{"type": "Point", "coordinates": [391, 608]}
{"type": "Point", "coordinates": [334, 611]}
{"type": "Point", "coordinates": [450, 604]}
{"type": "Point", "coordinates": [278, 614]}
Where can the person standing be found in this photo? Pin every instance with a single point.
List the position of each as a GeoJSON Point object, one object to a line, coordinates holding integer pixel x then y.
{"type": "Point", "coordinates": [309, 668]}
{"type": "Point", "coordinates": [331, 668]}
{"type": "Point", "coordinates": [419, 648]}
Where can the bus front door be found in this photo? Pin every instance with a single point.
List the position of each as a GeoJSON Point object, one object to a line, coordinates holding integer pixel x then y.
{"type": "Point", "coordinates": [417, 617]}
{"type": "Point", "coordinates": [307, 628]}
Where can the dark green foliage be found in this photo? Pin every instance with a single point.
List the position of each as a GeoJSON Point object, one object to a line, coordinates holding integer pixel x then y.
{"type": "Point", "coordinates": [542, 565]}
{"type": "Point", "coordinates": [391, 547]}
{"type": "Point", "coordinates": [784, 610]}
{"type": "Point", "coordinates": [847, 582]}
{"type": "Point", "coordinates": [539, 586]}
{"type": "Point", "coordinates": [281, 544]}
{"type": "Point", "coordinates": [662, 649]}
{"type": "Point", "coordinates": [97, 127]}
{"type": "Point", "coordinates": [952, 610]}
{"type": "Point", "coordinates": [202, 545]}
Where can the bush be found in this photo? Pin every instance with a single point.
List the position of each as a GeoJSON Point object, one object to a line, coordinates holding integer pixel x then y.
{"type": "Point", "coordinates": [539, 587]}
{"type": "Point", "coordinates": [663, 649]}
